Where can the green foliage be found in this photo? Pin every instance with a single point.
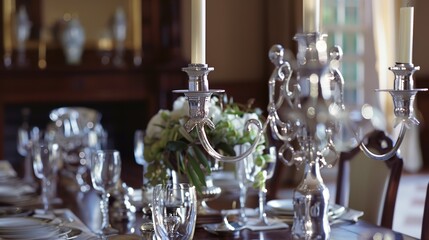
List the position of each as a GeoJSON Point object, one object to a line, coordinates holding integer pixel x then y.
{"type": "Point", "coordinates": [169, 146]}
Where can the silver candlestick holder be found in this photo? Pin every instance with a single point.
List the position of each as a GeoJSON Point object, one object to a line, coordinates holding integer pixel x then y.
{"type": "Point", "coordinates": [198, 95]}
{"type": "Point", "coordinates": [315, 115]}
{"type": "Point", "coordinates": [311, 87]}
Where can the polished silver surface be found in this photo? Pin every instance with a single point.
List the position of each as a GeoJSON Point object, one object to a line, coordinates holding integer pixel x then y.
{"type": "Point", "coordinates": [198, 95]}
{"type": "Point", "coordinates": [310, 200]}
{"type": "Point", "coordinates": [306, 112]}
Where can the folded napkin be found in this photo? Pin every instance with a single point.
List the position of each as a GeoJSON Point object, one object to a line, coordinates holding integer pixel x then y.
{"type": "Point", "coordinates": [272, 224]}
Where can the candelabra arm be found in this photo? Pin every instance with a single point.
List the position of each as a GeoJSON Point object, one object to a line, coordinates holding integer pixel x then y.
{"type": "Point", "coordinates": [391, 152]}
{"type": "Point", "coordinates": [202, 136]}
{"type": "Point", "coordinates": [198, 95]}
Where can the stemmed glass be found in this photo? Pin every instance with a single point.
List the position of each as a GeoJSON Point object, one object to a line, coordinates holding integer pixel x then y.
{"type": "Point", "coordinates": [147, 192]}
{"type": "Point", "coordinates": [45, 164]}
{"type": "Point", "coordinates": [174, 211]}
{"type": "Point", "coordinates": [242, 181]}
{"type": "Point", "coordinates": [105, 173]}
{"type": "Point", "coordinates": [24, 149]}
{"type": "Point", "coordinates": [254, 172]}
{"type": "Point", "coordinates": [139, 150]}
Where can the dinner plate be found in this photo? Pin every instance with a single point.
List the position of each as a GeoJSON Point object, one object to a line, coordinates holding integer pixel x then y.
{"type": "Point", "coordinates": [27, 228]}
{"type": "Point", "coordinates": [74, 233]}
{"type": "Point", "coordinates": [281, 206]}
{"type": "Point", "coordinates": [285, 207]}
{"type": "Point", "coordinates": [214, 228]}
{"type": "Point", "coordinates": [11, 190]}
{"type": "Point", "coordinates": [125, 237]}
{"type": "Point", "coordinates": [335, 210]}
{"type": "Point", "coordinates": [15, 212]}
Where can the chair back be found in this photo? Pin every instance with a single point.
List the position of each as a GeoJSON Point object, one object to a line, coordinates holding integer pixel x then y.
{"type": "Point", "coordinates": [369, 185]}
{"type": "Point", "coordinates": [425, 224]}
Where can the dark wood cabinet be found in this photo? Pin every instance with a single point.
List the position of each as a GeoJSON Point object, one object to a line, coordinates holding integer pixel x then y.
{"type": "Point", "coordinates": [127, 96]}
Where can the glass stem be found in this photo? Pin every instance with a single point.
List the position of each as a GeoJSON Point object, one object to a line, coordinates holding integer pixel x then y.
{"type": "Point", "coordinates": [104, 206]}
{"type": "Point", "coordinates": [143, 178]}
{"type": "Point", "coordinates": [45, 194]}
{"type": "Point", "coordinates": [262, 198]}
{"type": "Point", "coordinates": [28, 168]}
{"type": "Point", "coordinates": [243, 196]}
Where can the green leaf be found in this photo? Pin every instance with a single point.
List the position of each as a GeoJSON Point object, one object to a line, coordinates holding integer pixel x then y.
{"type": "Point", "coordinates": [176, 146]}
{"type": "Point", "coordinates": [226, 148]}
{"type": "Point", "coordinates": [185, 134]}
{"type": "Point", "coordinates": [193, 178]}
{"type": "Point", "coordinates": [202, 157]}
{"type": "Point", "coordinates": [195, 166]}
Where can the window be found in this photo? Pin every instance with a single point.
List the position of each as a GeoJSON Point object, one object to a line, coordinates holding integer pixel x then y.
{"type": "Point", "coordinates": [343, 21]}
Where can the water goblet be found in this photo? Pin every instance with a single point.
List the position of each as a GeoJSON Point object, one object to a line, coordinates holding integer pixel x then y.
{"type": "Point", "coordinates": [254, 171]}
{"type": "Point", "coordinates": [174, 211]}
{"type": "Point", "coordinates": [139, 151]}
{"type": "Point", "coordinates": [45, 165]}
{"type": "Point", "coordinates": [105, 173]}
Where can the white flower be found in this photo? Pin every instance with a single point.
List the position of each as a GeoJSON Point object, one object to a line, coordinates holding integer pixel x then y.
{"type": "Point", "coordinates": [180, 108]}
{"type": "Point", "coordinates": [153, 129]}
{"type": "Point", "coordinates": [215, 112]}
{"type": "Point", "coordinates": [254, 129]}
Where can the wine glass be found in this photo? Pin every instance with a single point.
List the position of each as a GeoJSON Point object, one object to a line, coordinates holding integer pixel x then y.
{"type": "Point", "coordinates": [45, 164]}
{"type": "Point", "coordinates": [139, 150]}
{"type": "Point", "coordinates": [242, 181]}
{"type": "Point", "coordinates": [174, 211]}
{"type": "Point", "coordinates": [24, 149]}
{"type": "Point", "coordinates": [255, 171]}
{"type": "Point", "coordinates": [105, 173]}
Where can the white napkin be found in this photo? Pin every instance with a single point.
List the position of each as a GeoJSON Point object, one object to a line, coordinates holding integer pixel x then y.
{"type": "Point", "coordinates": [273, 224]}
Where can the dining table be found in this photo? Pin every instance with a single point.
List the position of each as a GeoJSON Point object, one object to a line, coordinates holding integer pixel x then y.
{"type": "Point", "coordinates": [85, 207]}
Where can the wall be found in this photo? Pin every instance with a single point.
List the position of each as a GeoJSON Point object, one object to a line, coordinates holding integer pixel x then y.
{"type": "Point", "coordinates": [421, 36]}
{"type": "Point", "coordinates": [238, 34]}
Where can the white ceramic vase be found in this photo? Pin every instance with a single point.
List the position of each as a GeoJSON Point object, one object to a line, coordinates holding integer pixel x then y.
{"type": "Point", "coordinates": [72, 40]}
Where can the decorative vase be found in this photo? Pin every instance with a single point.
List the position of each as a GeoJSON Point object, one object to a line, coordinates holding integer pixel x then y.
{"type": "Point", "coordinates": [22, 31]}
{"type": "Point", "coordinates": [72, 40]}
{"type": "Point", "coordinates": [119, 32]}
{"type": "Point", "coordinates": [310, 202]}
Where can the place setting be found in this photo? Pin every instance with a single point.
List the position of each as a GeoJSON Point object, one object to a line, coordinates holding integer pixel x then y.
{"type": "Point", "coordinates": [16, 223]}
{"type": "Point", "coordinates": [283, 209]}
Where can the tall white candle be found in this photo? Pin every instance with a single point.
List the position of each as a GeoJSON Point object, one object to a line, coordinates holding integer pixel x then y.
{"type": "Point", "coordinates": [406, 18]}
{"type": "Point", "coordinates": [198, 31]}
{"type": "Point", "coordinates": [310, 15]}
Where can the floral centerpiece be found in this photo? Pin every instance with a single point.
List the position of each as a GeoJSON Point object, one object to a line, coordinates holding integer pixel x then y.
{"type": "Point", "coordinates": [168, 146]}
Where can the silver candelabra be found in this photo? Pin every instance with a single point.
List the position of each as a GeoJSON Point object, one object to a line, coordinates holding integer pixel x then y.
{"type": "Point", "coordinates": [307, 113]}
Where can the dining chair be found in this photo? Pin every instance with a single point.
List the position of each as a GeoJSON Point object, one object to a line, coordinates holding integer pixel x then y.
{"type": "Point", "coordinates": [425, 223]}
{"type": "Point", "coordinates": [370, 185]}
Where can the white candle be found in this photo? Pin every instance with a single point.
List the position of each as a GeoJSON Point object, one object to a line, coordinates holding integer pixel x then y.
{"type": "Point", "coordinates": [310, 15]}
{"type": "Point", "coordinates": [198, 31]}
{"type": "Point", "coordinates": [406, 18]}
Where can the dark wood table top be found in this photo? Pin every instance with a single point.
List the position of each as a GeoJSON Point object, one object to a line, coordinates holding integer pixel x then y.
{"type": "Point", "coordinates": [86, 207]}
